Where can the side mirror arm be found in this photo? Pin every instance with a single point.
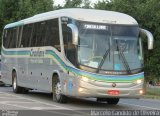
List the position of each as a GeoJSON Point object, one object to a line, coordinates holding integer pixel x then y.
{"type": "Point", "coordinates": [150, 38]}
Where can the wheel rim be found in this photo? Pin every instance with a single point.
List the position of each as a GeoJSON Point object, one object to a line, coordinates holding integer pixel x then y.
{"type": "Point", "coordinates": [58, 90]}
{"type": "Point", "coordinates": [14, 82]}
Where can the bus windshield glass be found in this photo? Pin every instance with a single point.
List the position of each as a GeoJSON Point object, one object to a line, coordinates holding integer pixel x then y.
{"type": "Point", "coordinates": [110, 47]}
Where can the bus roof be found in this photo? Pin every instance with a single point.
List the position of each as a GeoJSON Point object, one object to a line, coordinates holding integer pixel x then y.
{"type": "Point", "coordinates": [90, 15]}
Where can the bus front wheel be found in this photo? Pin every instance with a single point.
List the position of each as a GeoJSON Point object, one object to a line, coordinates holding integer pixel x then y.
{"type": "Point", "coordinates": [112, 101]}
{"type": "Point", "coordinates": [57, 95]}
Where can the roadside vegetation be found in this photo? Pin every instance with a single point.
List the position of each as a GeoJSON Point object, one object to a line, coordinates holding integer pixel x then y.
{"type": "Point", "coordinates": [153, 92]}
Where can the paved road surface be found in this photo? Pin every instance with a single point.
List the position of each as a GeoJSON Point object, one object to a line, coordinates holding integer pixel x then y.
{"type": "Point", "coordinates": [41, 103]}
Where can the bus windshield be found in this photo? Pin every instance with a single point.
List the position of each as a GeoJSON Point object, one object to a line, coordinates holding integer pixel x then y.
{"type": "Point", "coordinates": [110, 47]}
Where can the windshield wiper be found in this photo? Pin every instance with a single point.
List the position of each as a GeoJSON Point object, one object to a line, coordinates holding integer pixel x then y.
{"type": "Point", "coordinates": [126, 65]}
{"type": "Point", "coordinates": [104, 57]}
{"type": "Point", "coordinates": [125, 62]}
{"type": "Point", "coordinates": [102, 61]}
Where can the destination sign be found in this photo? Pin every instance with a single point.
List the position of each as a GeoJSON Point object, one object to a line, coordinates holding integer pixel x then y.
{"type": "Point", "coordinates": [93, 26]}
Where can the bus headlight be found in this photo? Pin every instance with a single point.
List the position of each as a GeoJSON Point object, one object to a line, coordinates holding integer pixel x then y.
{"type": "Point", "coordinates": [84, 79]}
{"type": "Point", "coordinates": [139, 81]}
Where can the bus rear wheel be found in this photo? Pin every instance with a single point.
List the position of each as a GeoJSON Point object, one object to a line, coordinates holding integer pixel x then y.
{"type": "Point", "coordinates": [16, 88]}
{"type": "Point", "coordinates": [57, 95]}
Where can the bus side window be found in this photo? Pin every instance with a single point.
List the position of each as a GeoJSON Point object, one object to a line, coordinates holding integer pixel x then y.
{"type": "Point", "coordinates": [19, 37]}
{"type": "Point", "coordinates": [34, 32]}
{"type": "Point", "coordinates": [39, 35]}
{"type": "Point", "coordinates": [11, 37]}
{"type": "Point", "coordinates": [12, 42]}
{"type": "Point", "coordinates": [52, 34]}
{"type": "Point", "coordinates": [5, 38]}
{"type": "Point", "coordinates": [26, 35]}
{"type": "Point", "coordinates": [43, 32]}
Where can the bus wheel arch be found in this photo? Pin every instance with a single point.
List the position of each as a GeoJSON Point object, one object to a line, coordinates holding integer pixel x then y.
{"type": "Point", "coordinates": [56, 89]}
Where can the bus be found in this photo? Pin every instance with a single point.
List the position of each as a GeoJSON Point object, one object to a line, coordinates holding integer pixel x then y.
{"type": "Point", "coordinates": [76, 52]}
{"type": "Point", "coordinates": [1, 83]}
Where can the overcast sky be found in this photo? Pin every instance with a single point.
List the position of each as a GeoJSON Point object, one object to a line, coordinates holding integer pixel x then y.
{"type": "Point", "coordinates": [61, 2]}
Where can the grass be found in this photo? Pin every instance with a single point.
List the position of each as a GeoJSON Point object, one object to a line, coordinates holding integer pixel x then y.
{"type": "Point", "coordinates": [152, 92]}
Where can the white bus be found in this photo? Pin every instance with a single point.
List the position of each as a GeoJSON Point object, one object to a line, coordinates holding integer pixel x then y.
{"type": "Point", "coordinates": [76, 53]}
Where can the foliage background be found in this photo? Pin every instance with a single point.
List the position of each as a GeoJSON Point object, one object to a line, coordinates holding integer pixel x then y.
{"type": "Point", "coordinates": [146, 12]}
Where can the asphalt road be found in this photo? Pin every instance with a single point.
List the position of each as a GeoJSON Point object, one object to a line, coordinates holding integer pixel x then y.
{"type": "Point", "coordinates": [41, 104]}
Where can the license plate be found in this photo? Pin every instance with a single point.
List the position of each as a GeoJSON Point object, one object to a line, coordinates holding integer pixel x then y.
{"type": "Point", "coordinates": [113, 92]}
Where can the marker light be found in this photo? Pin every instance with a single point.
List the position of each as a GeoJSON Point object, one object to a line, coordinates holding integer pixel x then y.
{"type": "Point", "coordinates": [85, 79]}
{"type": "Point", "coordinates": [141, 92]}
{"type": "Point", "coordinates": [80, 89]}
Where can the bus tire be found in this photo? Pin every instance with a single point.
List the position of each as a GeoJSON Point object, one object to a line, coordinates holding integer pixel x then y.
{"type": "Point", "coordinates": [112, 101]}
{"type": "Point", "coordinates": [16, 88]}
{"type": "Point", "coordinates": [101, 99]}
{"type": "Point", "coordinates": [56, 88]}
{"type": "Point", "coordinates": [25, 90]}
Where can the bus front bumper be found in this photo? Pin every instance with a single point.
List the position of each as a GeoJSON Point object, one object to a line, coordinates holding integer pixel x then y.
{"type": "Point", "coordinates": [109, 90]}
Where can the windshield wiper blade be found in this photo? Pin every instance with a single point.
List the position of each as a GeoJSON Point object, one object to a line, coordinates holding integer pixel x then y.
{"type": "Point", "coordinates": [102, 61]}
{"type": "Point", "coordinates": [125, 62]}
{"type": "Point", "coordinates": [126, 65]}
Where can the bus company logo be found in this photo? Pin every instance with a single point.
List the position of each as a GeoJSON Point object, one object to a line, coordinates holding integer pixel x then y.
{"type": "Point", "coordinates": [114, 85]}
{"type": "Point", "coordinates": [37, 53]}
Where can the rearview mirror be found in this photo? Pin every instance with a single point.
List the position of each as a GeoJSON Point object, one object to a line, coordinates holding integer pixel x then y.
{"type": "Point", "coordinates": [74, 33]}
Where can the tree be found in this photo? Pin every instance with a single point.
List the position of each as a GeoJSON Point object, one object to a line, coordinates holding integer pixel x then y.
{"type": "Point", "coordinates": [14, 10]}
{"type": "Point", "coordinates": [75, 4]}
{"type": "Point", "coordinates": [72, 3]}
{"type": "Point", "coordinates": [8, 9]}
{"type": "Point", "coordinates": [29, 8]}
{"type": "Point", "coordinates": [86, 4]}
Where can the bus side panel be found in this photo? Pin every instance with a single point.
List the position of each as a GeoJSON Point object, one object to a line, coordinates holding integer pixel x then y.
{"type": "Point", "coordinates": [41, 72]}
{"type": "Point", "coordinates": [7, 66]}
